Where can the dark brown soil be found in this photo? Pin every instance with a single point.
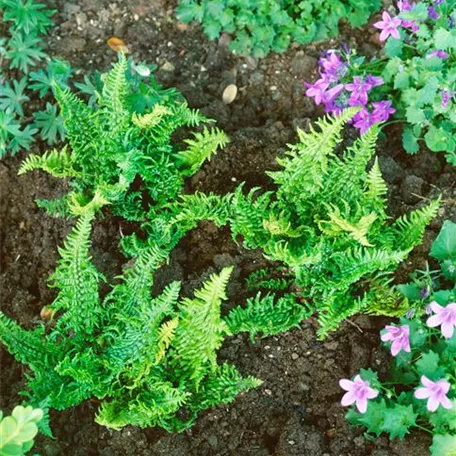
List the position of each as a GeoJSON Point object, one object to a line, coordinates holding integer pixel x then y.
{"type": "Point", "coordinates": [297, 410]}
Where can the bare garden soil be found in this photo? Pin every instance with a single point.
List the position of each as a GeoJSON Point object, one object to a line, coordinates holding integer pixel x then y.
{"type": "Point", "coordinates": [297, 411]}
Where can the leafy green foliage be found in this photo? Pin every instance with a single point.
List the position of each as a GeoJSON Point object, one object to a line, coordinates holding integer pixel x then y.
{"type": "Point", "coordinates": [12, 98]}
{"type": "Point", "coordinates": [151, 361]}
{"type": "Point", "coordinates": [397, 411]}
{"type": "Point", "coordinates": [326, 223]}
{"type": "Point", "coordinates": [50, 124]}
{"type": "Point", "coordinates": [27, 16]}
{"type": "Point", "coordinates": [24, 52]}
{"type": "Point", "coordinates": [22, 49]}
{"type": "Point", "coordinates": [259, 27]}
{"type": "Point", "coordinates": [18, 430]}
{"type": "Point", "coordinates": [112, 145]}
{"type": "Point", "coordinates": [57, 71]}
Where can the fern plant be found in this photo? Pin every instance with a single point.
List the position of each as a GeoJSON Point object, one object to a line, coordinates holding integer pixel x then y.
{"type": "Point", "coordinates": [326, 222]}
{"type": "Point", "coordinates": [151, 361]}
{"type": "Point", "coordinates": [121, 154]}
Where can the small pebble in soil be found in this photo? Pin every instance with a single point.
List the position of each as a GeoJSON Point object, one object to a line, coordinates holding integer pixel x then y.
{"type": "Point", "coordinates": [230, 93]}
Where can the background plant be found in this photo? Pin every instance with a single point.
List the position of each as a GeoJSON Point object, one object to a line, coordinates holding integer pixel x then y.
{"type": "Point", "coordinates": [326, 222]}
{"type": "Point", "coordinates": [418, 74]}
{"type": "Point", "coordinates": [420, 389]}
{"type": "Point", "coordinates": [121, 151]}
{"type": "Point", "coordinates": [259, 27]}
{"type": "Point", "coordinates": [22, 50]}
{"type": "Point", "coordinates": [18, 430]}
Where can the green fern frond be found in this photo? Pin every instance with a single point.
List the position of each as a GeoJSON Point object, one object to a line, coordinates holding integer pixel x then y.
{"type": "Point", "coordinates": [165, 336]}
{"type": "Point", "coordinates": [189, 117]}
{"type": "Point", "coordinates": [221, 387]}
{"type": "Point", "coordinates": [409, 229]}
{"type": "Point", "coordinates": [146, 409]}
{"type": "Point", "coordinates": [192, 209]}
{"type": "Point", "coordinates": [375, 186]}
{"type": "Point", "coordinates": [57, 163]}
{"type": "Point", "coordinates": [307, 161]}
{"type": "Point", "coordinates": [27, 347]}
{"type": "Point", "coordinates": [152, 119]}
{"type": "Point", "coordinates": [201, 148]}
{"type": "Point", "coordinates": [114, 97]}
{"type": "Point", "coordinates": [267, 316]}
{"type": "Point", "coordinates": [336, 308]}
{"type": "Point", "coordinates": [57, 207]}
{"type": "Point", "coordinates": [201, 330]}
{"type": "Point", "coordinates": [79, 121]}
{"type": "Point", "coordinates": [357, 262]}
{"type": "Point", "coordinates": [337, 225]}
{"type": "Point", "coordinates": [78, 280]}
{"type": "Point", "coordinates": [346, 174]}
{"type": "Point", "coordinates": [135, 334]}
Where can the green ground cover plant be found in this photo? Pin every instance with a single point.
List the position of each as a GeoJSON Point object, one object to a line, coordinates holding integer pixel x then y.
{"type": "Point", "coordinates": [420, 389]}
{"type": "Point", "coordinates": [261, 26]}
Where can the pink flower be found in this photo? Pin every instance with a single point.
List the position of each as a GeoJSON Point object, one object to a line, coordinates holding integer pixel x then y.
{"type": "Point", "coordinates": [446, 95]}
{"type": "Point", "coordinates": [389, 26]}
{"type": "Point", "coordinates": [444, 317]}
{"type": "Point", "coordinates": [411, 25]}
{"type": "Point", "coordinates": [435, 393]}
{"type": "Point", "coordinates": [317, 90]}
{"type": "Point", "coordinates": [439, 54]}
{"type": "Point", "coordinates": [374, 81]}
{"type": "Point", "coordinates": [359, 89]}
{"type": "Point", "coordinates": [330, 95]}
{"type": "Point", "coordinates": [359, 391]}
{"type": "Point", "coordinates": [399, 336]}
{"type": "Point", "coordinates": [382, 111]}
{"type": "Point", "coordinates": [404, 5]}
{"type": "Point", "coordinates": [333, 66]}
{"type": "Point", "coordinates": [363, 120]}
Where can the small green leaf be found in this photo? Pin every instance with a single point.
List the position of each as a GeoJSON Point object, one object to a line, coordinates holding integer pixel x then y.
{"type": "Point", "coordinates": [444, 420]}
{"type": "Point", "coordinates": [443, 445]}
{"type": "Point", "coordinates": [398, 419]}
{"type": "Point", "coordinates": [445, 39]}
{"type": "Point", "coordinates": [444, 246]}
{"type": "Point", "coordinates": [410, 141]}
{"type": "Point", "coordinates": [428, 365]}
{"type": "Point", "coordinates": [415, 115]}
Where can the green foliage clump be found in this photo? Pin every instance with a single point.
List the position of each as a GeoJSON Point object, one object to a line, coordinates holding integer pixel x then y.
{"type": "Point", "coordinates": [326, 222]}
{"type": "Point", "coordinates": [121, 150]}
{"type": "Point", "coordinates": [432, 354]}
{"type": "Point", "coordinates": [18, 430]}
{"type": "Point", "coordinates": [261, 26]}
{"type": "Point", "coordinates": [151, 361]}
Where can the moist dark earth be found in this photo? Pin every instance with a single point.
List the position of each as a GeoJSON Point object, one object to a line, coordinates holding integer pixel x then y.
{"type": "Point", "coordinates": [297, 410]}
